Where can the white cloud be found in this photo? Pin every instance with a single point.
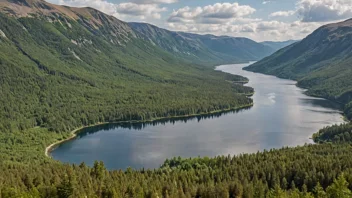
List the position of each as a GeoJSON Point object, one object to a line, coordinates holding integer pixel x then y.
{"type": "Point", "coordinates": [122, 10]}
{"type": "Point", "coordinates": [319, 10]}
{"type": "Point", "coordinates": [231, 19]}
{"type": "Point", "coordinates": [104, 6]}
{"type": "Point", "coordinates": [256, 30]}
{"type": "Point", "coordinates": [269, 25]}
{"type": "Point", "coordinates": [324, 10]}
{"type": "Point", "coordinates": [236, 20]}
{"type": "Point", "coordinates": [211, 14]}
{"type": "Point", "coordinates": [142, 10]}
{"type": "Point", "coordinates": [154, 1]}
{"type": "Point", "coordinates": [282, 13]}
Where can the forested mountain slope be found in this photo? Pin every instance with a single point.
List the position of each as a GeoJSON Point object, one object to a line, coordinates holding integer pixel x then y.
{"type": "Point", "coordinates": [62, 68]}
{"type": "Point", "coordinates": [65, 67]}
{"type": "Point", "coordinates": [205, 49]}
{"type": "Point", "coordinates": [322, 62]}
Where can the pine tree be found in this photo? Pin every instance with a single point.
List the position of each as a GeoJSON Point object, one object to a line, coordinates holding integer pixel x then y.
{"type": "Point", "coordinates": [319, 191]}
{"type": "Point", "coordinates": [65, 189]}
{"type": "Point", "coordinates": [339, 188]}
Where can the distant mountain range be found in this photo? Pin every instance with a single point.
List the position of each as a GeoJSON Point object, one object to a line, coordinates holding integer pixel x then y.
{"type": "Point", "coordinates": [205, 49]}
{"type": "Point", "coordinates": [279, 44]}
{"type": "Point", "coordinates": [322, 62]}
{"type": "Point", "coordinates": [200, 49]}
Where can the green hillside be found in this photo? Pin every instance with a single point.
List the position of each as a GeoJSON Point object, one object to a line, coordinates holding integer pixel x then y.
{"type": "Point", "coordinates": [322, 63]}
{"type": "Point", "coordinates": [205, 49]}
{"type": "Point", "coordinates": [62, 68]}
{"type": "Point", "coordinates": [78, 67]}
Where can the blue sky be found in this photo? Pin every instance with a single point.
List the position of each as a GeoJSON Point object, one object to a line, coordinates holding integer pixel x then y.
{"type": "Point", "coordinates": [263, 9]}
{"type": "Point", "coordinates": [260, 20]}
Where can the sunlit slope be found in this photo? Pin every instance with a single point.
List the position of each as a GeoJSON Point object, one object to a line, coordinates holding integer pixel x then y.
{"type": "Point", "coordinates": [65, 67]}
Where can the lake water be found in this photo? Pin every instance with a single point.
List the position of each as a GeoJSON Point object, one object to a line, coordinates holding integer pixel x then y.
{"type": "Point", "coordinates": [281, 116]}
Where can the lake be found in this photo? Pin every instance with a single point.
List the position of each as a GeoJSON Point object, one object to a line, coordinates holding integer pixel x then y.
{"type": "Point", "coordinates": [281, 116]}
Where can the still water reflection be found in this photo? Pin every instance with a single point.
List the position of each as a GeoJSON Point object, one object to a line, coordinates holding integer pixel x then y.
{"type": "Point", "coordinates": [281, 116]}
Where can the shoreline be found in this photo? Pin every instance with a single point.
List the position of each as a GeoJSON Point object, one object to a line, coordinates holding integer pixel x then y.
{"type": "Point", "coordinates": [305, 89]}
{"type": "Point", "coordinates": [75, 132]}
{"type": "Point", "coordinates": [305, 92]}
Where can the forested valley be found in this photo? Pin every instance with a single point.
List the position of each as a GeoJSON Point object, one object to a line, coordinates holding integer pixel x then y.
{"type": "Point", "coordinates": [46, 84]}
{"type": "Point", "coordinates": [63, 68]}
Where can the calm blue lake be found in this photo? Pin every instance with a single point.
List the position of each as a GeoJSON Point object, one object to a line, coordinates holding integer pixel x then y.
{"type": "Point", "coordinates": [281, 116]}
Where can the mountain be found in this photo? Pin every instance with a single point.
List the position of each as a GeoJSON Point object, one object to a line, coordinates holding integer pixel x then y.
{"type": "Point", "coordinates": [322, 62]}
{"type": "Point", "coordinates": [64, 67]}
{"type": "Point", "coordinates": [204, 49]}
{"type": "Point", "coordinates": [276, 45]}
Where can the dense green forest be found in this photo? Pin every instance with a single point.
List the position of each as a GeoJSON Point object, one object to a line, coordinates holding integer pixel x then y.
{"type": "Point", "coordinates": [322, 170]}
{"type": "Point", "coordinates": [63, 68]}
{"type": "Point", "coordinates": [336, 134]}
{"type": "Point", "coordinates": [48, 81]}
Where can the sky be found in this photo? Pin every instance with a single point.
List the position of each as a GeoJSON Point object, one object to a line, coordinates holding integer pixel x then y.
{"type": "Point", "coordinates": [260, 20]}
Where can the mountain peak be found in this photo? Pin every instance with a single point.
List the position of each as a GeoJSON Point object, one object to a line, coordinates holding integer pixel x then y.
{"type": "Point", "coordinates": [91, 18]}
{"type": "Point", "coordinates": [333, 26]}
{"type": "Point", "coordinates": [26, 2]}
{"type": "Point", "coordinates": [24, 8]}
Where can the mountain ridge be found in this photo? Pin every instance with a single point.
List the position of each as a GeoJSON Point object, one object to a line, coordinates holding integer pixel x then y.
{"type": "Point", "coordinates": [202, 48]}
{"type": "Point", "coordinates": [79, 66]}
{"type": "Point", "coordinates": [321, 62]}
{"type": "Point", "coordinates": [276, 45]}
{"type": "Point", "coordinates": [195, 48]}
{"type": "Point", "coordinates": [58, 74]}
{"type": "Point", "coordinates": [89, 17]}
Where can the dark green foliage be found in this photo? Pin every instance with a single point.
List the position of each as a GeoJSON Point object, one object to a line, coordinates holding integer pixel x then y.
{"type": "Point", "coordinates": [348, 110]}
{"type": "Point", "coordinates": [305, 171]}
{"type": "Point", "coordinates": [49, 81]}
{"type": "Point", "coordinates": [322, 64]}
{"type": "Point", "coordinates": [67, 72]}
{"type": "Point", "coordinates": [65, 188]}
{"type": "Point", "coordinates": [27, 146]}
{"type": "Point", "coordinates": [339, 188]}
{"type": "Point", "coordinates": [336, 133]}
